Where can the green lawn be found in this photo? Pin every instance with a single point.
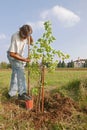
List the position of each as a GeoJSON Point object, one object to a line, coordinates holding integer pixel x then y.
{"type": "Point", "coordinates": [5, 78]}
{"type": "Point", "coordinates": [61, 78]}
{"type": "Point", "coordinates": [55, 79]}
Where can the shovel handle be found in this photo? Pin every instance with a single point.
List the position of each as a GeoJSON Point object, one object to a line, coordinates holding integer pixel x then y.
{"type": "Point", "coordinates": [28, 64]}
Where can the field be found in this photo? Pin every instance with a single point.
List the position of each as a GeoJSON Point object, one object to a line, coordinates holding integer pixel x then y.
{"type": "Point", "coordinates": [65, 106]}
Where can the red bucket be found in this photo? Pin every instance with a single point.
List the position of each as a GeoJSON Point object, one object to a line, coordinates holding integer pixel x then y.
{"type": "Point", "coordinates": [29, 104]}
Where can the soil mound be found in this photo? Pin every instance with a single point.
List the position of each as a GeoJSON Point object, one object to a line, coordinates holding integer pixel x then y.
{"type": "Point", "coordinates": [56, 108]}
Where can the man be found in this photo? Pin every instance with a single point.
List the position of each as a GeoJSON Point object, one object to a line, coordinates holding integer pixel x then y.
{"type": "Point", "coordinates": [16, 59]}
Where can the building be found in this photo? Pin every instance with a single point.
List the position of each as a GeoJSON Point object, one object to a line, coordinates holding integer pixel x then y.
{"type": "Point", "coordinates": [79, 63]}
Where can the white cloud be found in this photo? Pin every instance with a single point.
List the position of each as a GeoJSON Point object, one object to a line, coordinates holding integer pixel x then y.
{"type": "Point", "coordinates": [65, 16]}
{"type": "Point", "coordinates": [2, 36]}
{"type": "Point", "coordinates": [58, 14]}
{"type": "Point", "coordinates": [36, 25]}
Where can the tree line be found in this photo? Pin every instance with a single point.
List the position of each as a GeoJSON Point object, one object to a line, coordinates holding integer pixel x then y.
{"type": "Point", "coordinates": [61, 64]}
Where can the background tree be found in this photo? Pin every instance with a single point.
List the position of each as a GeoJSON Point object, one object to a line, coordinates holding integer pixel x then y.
{"type": "Point", "coordinates": [59, 64]}
{"type": "Point", "coordinates": [63, 65]}
{"type": "Point", "coordinates": [85, 64]}
{"type": "Point", "coordinates": [70, 64]}
{"type": "Point", "coordinates": [3, 65]}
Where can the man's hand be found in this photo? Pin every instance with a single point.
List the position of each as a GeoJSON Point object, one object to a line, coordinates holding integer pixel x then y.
{"type": "Point", "coordinates": [27, 60]}
{"type": "Point", "coordinates": [30, 40]}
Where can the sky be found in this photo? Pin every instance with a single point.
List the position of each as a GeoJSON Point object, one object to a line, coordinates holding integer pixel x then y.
{"type": "Point", "coordinates": [68, 18]}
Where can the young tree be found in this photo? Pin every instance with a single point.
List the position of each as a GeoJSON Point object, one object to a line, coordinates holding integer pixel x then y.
{"type": "Point", "coordinates": [42, 53]}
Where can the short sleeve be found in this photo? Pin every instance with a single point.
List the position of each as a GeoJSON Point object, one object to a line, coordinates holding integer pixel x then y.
{"type": "Point", "coordinates": [13, 46]}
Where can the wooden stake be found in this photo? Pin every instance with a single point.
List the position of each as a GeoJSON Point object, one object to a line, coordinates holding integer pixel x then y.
{"type": "Point", "coordinates": [43, 73]}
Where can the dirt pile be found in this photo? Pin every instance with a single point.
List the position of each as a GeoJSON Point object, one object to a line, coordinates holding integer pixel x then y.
{"type": "Point", "coordinates": [56, 108]}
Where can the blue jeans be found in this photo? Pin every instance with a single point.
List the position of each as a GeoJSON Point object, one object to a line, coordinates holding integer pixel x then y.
{"type": "Point", "coordinates": [18, 80]}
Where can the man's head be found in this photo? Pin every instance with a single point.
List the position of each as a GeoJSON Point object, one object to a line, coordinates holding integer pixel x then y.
{"type": "Point", "coordinates": [25, 31]}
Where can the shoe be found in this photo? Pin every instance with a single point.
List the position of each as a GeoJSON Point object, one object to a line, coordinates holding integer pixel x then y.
{"type": "Point", "coordinates": [7, 95]}
{"type": "Point", "coordinates": [24, 96]}
{"type": "Point", "coordinates": [11, 97]}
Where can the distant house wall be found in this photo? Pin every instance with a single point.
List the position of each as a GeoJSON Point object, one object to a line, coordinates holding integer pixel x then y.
{"type": "Point", "coordinates": [79, 63]}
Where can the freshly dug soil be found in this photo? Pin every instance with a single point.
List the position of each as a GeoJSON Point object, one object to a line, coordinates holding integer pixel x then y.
{"type": "Point", "coordinates": [56, 108]}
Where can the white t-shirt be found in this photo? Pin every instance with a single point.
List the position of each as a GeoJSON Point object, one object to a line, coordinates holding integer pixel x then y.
{"type": "Point", "coordinates": [17, 45]}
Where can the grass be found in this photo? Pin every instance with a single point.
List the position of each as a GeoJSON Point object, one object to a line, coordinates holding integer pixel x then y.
{"type": "Point", "coordinates": [70, 83]}
{"type": "Point", "coordinates": [58, 78]}
{"type": "Point", "coordinates": [66, 81]}
{"type": "Point", "coordinates": [62, 78]}
{"type": "Point", "coordinates": [5, 78]}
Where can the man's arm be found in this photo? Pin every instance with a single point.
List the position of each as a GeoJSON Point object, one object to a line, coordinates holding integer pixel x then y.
{"type": "Point", "coordinates": [18, 57]}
